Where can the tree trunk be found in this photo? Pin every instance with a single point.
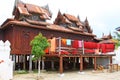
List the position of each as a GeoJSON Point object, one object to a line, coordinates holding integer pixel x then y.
{"type": "Point", "coordinates": [39, 60]}
{"type": "Point", "coordinates": [43, 64]}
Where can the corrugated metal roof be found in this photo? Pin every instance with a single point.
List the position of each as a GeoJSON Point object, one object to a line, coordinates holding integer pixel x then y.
{"type": "Point", "coordinates": [118, 28]}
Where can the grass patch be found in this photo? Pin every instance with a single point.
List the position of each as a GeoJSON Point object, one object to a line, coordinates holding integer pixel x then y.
{"type": "Point", "coordinates": [21, 72]}
{"type": "Point", "coordinates": [35, 71]}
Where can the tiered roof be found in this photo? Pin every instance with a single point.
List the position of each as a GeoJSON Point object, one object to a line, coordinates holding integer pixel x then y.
{"type": "Point", "coordinates": [36, 16]}
{"type": "Point", "coordinates": [71, 22]}
{"type": "Point", "coordinates": [107, 37]}
{"type": "Point", "coordinates": [31, 11]}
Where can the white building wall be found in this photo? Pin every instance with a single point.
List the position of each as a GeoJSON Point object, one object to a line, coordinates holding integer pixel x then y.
{"type": "Point", "coordinates": [6, 65]}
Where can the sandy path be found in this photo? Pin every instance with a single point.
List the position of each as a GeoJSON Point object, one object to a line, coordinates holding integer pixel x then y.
{"type": "Point", "coordinates": [74, 75]}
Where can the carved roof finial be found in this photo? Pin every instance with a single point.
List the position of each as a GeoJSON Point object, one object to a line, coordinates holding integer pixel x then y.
{"type": "Point", "coordinates": [48, 9]}
{"type": "Point", "coordinates": [102, 34]}
{"type": "Point", "coordinates": [86, 19]}
{"type": "Point", "coordinates": [78, 18]}
{"type": "Point", "coordinates": [86, 22]}
{"type": "Point", "coordinates": [16, 2]}
{"type": "Point", "coordinates": [59, 12]}
{"type": "Point", "coordinates": [59, 15]}
{"type": "Point", "coordinates": [110, 36]}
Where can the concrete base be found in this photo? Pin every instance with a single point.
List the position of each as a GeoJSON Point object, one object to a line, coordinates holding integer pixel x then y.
{"type": "Point", "coordinates": [61, 75]}
{"type": "Point", "coordinates": [81, 72]}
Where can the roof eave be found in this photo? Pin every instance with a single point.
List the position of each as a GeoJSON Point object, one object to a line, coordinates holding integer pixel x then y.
{"type": "Point", "coordinates": [13, 22]}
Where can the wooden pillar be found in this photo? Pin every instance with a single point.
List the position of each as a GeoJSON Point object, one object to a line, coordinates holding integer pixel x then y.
{"type": "Point", "coordinates": [74, 64]}
{"type": "Point", "coordinates": [24, 62]}
{"type": "Point", "coordinates": [61, 65]}
{"type": "Point", "coordinates": [14, 59]}
{"type": "Point", "coordinates": [90, 62]}
{"type": "Point", "coordinates": [52, 65]}
{"type": "Point", "coordinates": [77, 60]}
{"type": "Point", "coordinates": [81, 63]}
{"type": "Point", "coordinates": [95, 65]}
{"type": "Point", "coordinates": [30, 63]}
{"type": "Point", "coordinates": [110, 59]}
{"type": "Point", "coordinates": [18, 62]}
{"type": "Point", "coordinates": [110, 65]}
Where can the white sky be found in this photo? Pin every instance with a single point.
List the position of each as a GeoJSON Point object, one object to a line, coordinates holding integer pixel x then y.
{"type": "Point", "coordinates": [103, 15]}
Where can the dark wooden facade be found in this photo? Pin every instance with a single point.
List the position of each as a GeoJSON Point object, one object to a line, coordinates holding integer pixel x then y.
{"type": "Point", "coordinates": [21, 33]}
{"type": "Point", "coordinates": [1, 34]}
{"type": "Point", "coordinates": [30, 20]}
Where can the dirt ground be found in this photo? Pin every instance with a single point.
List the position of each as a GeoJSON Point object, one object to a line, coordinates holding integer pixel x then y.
{"type": "Point", "coordinates": [70, 75]}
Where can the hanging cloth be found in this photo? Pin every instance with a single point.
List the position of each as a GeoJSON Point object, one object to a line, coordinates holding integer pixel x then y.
{"type": "Point", "coordinates": [53, 45]}
{"type": "Point", "coordinates": [80, 44]}
{"type": "Point", "coordinates": [64, 42]}
{"type": "Point", "coordinates": [68, 41]}
{"type": "Point", "coordinates": [75, 44]}
{"type": "Point", "coordinates": [48, 48]}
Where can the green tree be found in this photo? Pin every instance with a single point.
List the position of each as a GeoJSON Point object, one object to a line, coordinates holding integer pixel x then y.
{"type": "Point", "coordinates": [39, 44]}
{"type": "Point", "coordinates": [117, 39]}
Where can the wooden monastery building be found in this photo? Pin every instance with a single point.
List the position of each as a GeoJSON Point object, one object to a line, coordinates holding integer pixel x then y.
{"type": "Point", "coordinates": [29, 20]}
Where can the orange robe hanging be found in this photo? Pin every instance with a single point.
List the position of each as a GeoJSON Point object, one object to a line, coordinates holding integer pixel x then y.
{"type": "Point", "coordinates": [53, 44]}
{"type": "Point", "coordinates": [64, 42]}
